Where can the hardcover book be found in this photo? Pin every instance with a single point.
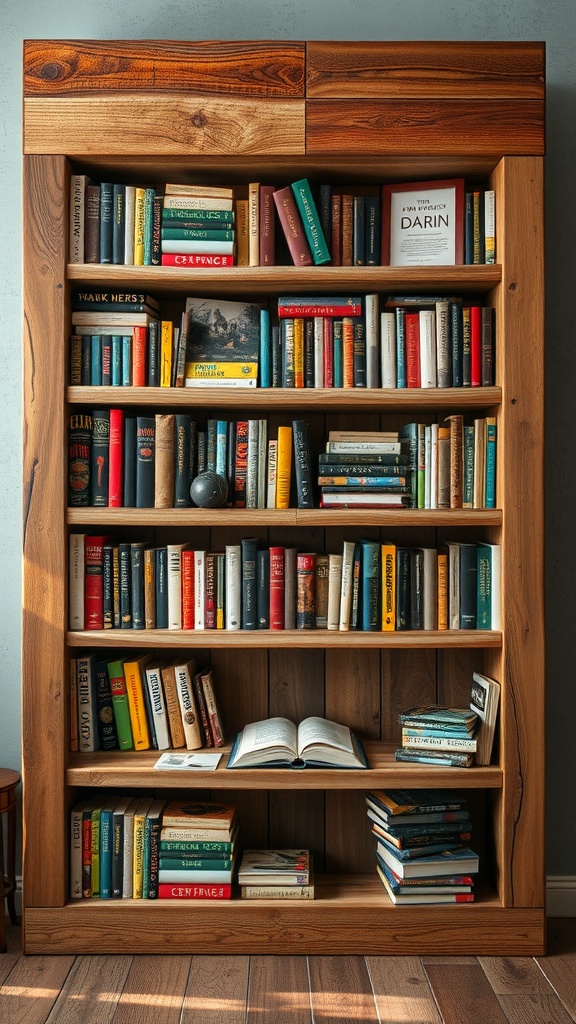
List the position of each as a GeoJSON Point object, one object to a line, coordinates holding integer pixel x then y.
{"type": "Point", "coordinates": [279, 743]}
{"type": "Point", "coordinates": [223, 342]}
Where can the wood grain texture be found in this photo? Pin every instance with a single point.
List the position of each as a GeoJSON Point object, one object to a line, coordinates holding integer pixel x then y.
{"type": "Point", "coordinates": [92, 1002]}
{"type": "Point", "coordinates": [172, 125]}
{"type": "Point", "coordinates": [559, 966]}
{"type": "Point", "coordinates": [387, 127]}
{"type": "Point", "coordinates": [464, 994]}
{"type": "Point", "coordinates": [217, 989]}
{"type": "Point", "coordinates": [44, 536]}
{"type": "Point", "coordinates": [56, 67]}
{"type": "Point", "coordinates": [153, 991]}
{"type": "Point", "coordinates": [278, 990]}
{"type": "Point", "coordinates": [340, 990]}
{"type": "Point", "coordinates": [32, 986]}
{"type": "Point", "coordinates": [401, 989]}
{"type": "Point", "coordinates": [470, 70]}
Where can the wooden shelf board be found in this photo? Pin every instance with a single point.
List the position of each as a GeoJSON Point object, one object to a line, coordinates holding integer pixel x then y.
{"type": "Point", "coordinates": [264, 518]}
{"type": "Point", "coordinates": [349, 915]}
{"type": "Point", "coordinates": [281, 638]}
{"type": "Point", "coordinates": [136, 768]}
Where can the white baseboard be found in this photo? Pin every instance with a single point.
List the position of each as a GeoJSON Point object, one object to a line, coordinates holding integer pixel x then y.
{"type": "Point", "coordinates": [561, 896]}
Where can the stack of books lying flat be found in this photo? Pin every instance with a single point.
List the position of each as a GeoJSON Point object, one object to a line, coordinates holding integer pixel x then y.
{"type": "Point", "coordinates": [276, 875]}
{"type": "Point", "coordinates": [439, 735]}
{"type": "Point", "coordinates": [198, 843]}
{"type": "Point", "coordinates": [422, 851]}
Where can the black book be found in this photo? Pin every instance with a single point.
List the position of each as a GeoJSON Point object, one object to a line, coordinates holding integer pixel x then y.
{"type": "Point", "coordinates": [100, 458]}
{"type": "Point", "coordinates": [129, 469]}
{"type": "Point", "coordinates": [263, 587]}
{"type": "Point", "coordinates": [108, 585]}
{"type": "Point", "coordinates": [344, 460]}
{"type": "Point", "coordinates": [161, 585]}
{"type": "Point", "coordinates": [145, 460]}
{"type": "Point", "coordinates": [137, 584]}
{"type": "Point", "coordinates": [79, 459]}
{"type": "Point", "coordinates": [355, 610]}
{"type": "Point", "coordinates": [86, 360]}
{"type": "Point", "coordinates": [359, 352]}
{"type": "Point", "coordinates": [249, 547]}
{"type": "Point", "coordinates": [156, 257]}
{"type": "Point", "coordinates": [456, 335]}
{"type": "Point", "coordinates": [372, 231]}
{"type": "Point", "coordinates": [358, 237]}
{"type": "Point", "coordinates": [302, 464]}
{"type": "Point", "coordinates": [110, 301]}
{"type": "Point", "coordinates": [487, 351]}
{"type": "Point", "coordinates": [125, 585]}
{"type": "Point", "coordinates": [416, 588]}
{"type": "Point", "coordinates": [309, 353]}
{"type": "Point", "coordinates": [105, 710]}
{"type": "Point", "coordinates": [230, 457]}
{"type": "Point", "coordinates": [154, 354]}
{"type": "Point", "coordinates": [118, 222]}
{"type": "Point", "coordinates": [106, 221]}
{"type": "Point", "coordinates": [468, 586]}
{"type": "Point", "coordinates": [183, 463]}
{"type": "Point", "coordinates": [276, 356]}
{"type": "Point", "coordinates": [403, 596]}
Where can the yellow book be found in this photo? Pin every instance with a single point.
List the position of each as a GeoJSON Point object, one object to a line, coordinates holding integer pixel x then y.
{"type": "Point", "coordinates": [142, 808]}
{"type": "Point", "coordinates": [283, 467]}
{"type": "Point", "coordinates": [139, 226]}
{"type": "Point", "coordinates": [298, 352]}
{"type": "Point", "coordinates": [242, 246]}
{"type": "Point", "coordinates": [442, 569]}
{"type": "Point", "coordinates": [134, 674]}
{"type": "Point", "coordinates": [388, 554]}
{"type": "Point", "coordinates": [254, 224]}
{"type": "Point", "coordinates": [166, 345]}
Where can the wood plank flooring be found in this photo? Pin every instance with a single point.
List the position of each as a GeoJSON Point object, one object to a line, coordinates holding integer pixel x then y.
{"type": "Point", "coordinates": [168, 989]}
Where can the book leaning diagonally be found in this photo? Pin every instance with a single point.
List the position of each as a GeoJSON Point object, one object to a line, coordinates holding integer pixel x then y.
{"type": "Point", "coordinates": [279, 743]}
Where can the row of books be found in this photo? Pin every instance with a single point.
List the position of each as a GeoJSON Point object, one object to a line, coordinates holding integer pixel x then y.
{"type": "Point", "coordinates": [344, 341]}
{"type": "Point", "coordinates": [455, 462]}
{"type": "Point", "coordinates": [253, 225]}
{"type": "Point", "coordinates": [422, 845]}
{"type": "Point", "coordinates": [159, 461]}
{"type": "Point", "coordinates": [440, 735]}
{"type": "Point", "coordinates": [368, 586]}
{"type": "Point", "coordinates": [139, 703]}
{"type": "Point", "coordinates": [125, 847]}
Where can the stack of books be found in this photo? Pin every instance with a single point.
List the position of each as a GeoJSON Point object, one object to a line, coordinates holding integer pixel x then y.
{"type": "Point", "coordinates": [276, 875]}
{"type": "Point", "coordinates": [197, 228]}
{"type": "Point", "coordinates": [365, 469]}
{"type": "Point", "coordinates": [422, 852]}
{"type": "Point", "coordinates": [198, 842]}
{"type": "Point", "coordinates": [439, 735]}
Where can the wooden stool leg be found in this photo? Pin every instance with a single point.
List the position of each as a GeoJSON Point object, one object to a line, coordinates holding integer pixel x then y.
{"type": "Point", "coordinates": [11, 866]}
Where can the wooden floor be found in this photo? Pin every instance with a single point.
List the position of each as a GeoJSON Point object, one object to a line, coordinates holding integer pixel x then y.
{"type": "Point", "coordinates": [291, 990]}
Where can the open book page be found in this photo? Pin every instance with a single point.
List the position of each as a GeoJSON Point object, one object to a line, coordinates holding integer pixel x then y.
{"type": "Point", "coordinates": [270, 739]}
{"type": "Point", "coordinates": [322, 740]}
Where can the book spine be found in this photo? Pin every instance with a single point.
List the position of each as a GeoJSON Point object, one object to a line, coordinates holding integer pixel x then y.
{"type": "Point", "coordinates": [188, 709]}
{"type": "Point", "coordinates": [136, 704]}
{"type": "Point", "coordinates": [214, 718]}
{"type": "Point", "coordinates": [490, 485]}
{"type": "Point", "coordinates": [249, 547]}
{"type": "Point", "coordinates": [276, 587]}
{"type": "Point", "coordinates": [88, 738]}
{"type": "Point", "coordinates": [263, 588]}
{"type": "Point", "coordinates": [116, 459]}
{"type": "Point", "coordinates": [145, 461]}
{"type": "Point", "coordinates": [233, 577]}
{"type": "Point", "coordinates": [289, 588]}
{"type": "Point", "coordinates": [199, 589]}
{"type": "Point", "coordinates": [311, 221]}
{"type": "Point", "coordinates": [120, 705]}
{"type": "Point", "coordinates": [154, 683]}
{"type": "Point", "coordinates": [302, 464]}
{"type": "Point", "coordinates": [173, 706]}
{"type": "Point", "coordinates": [104, 708]}
{"type": "Point", "coordinates": [106, 220]}
{"type": "Point", "coordinates": [305, 591]}
{"type": "Point", "coordinates": [100, 458]}
{"type": "Point", "coordinates": [80, 431]}
{"type": "Point", "coordinates": [292, 227]}
{"type": "Point", "coordinates": [283, 466]}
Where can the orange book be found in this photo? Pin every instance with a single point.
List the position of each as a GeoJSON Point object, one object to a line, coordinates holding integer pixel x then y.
{"type": "Point", "coordinates": [166, 345]}
{"type": "Point", "coordinates": [134, 676]}
{"type": "Point", "coordinates": [187, 588]}
{"type": "Point", "coordinates": [139, 356]}
{"type": "Point", "coordinates": [388, 554]}
{"type": "Point", "coordinates": [348, 351]}
{"type": "Point", "coordinates": [283, 467]}
{"type": "Point", "coordinates": [298, 352]}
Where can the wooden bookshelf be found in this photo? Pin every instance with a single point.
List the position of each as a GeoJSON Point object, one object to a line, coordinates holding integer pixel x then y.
{"type": "Point", "coordinates": [272, 111]}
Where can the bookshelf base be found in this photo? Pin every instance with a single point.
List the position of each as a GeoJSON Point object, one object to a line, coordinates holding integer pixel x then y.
{"type": "Point", "coordinates": [350, 915]}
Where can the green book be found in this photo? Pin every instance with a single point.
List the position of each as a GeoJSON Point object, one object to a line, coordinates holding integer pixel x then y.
{"type": "Point", "coordinates": [120, 705]}
{"type": "Point", "coordinates": [196, 863]}
{"type": "Point", "coordinates": [311, 221]}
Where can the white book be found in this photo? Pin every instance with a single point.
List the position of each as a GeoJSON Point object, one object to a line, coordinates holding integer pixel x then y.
{"type": "Point", "coordinates": [262, 453]}
{"type": "Point", "coordinates": [253, 224]}
{"type": "Point", "coordinates": [110, 318]}
{"type": "Point", "coordinates": [78, 184]}
{"type": "Point", "coordinates": [203, 191]}
{"type": "Point", "coordinates": [128, 849]}
{"type": "Point", "coordinates": [184, 673]}
{"type": "Point", "coordinates": [129, 216]}
{"type": "Point", "coordinates": [467, 743]}
{"type": "Point", "coordinates": [272, 466]}
{"type": "Point", "coordinates": [76, 851]}
{"type": "Point", "coordinates": [427, 466]}
{"type": "Point", "coordinates": [76, 580]}
{"type": "Point", "coordinates": [199, 589]}
{"type": "Point", "coordinates": [484, 700]}
{"type": "Point", "coordinates": [201, 245]}
{"type": "Point", "coordinates": [196, 202]}
{"type": "Point", "coordinates": [388, 349]}
{"type": "Point", "coordinates": [252, 463]}
{"type": "Point", "coordinates": [346, 587]}
{"type": "Point", "coordinates": [433, 465]}
{"type": "Point", "coordinates": [430, 588]}
{"type": "Point", "coordinates": [318, 351]}
{"type": "Point", "coordinates": [158, 704]}
{"type": "Point", "coordinates": [427, 320]}
{"type": "Point", "coordinates": [372, 311]}
{"type": "Point", "coordinates": [106, 329]}
{"type": "Point", "coordinates": [489, 226]}
{"type": "Point", "coordinates": [174, 585]}
{"type": "Point", "coordinates": [233, 586]}
{"type": "Point", "coordinates": [376, 447]}
{"type": "Point", "coordinates": [334, 590]}
{"type": "Point", "coordinates": [289, 588]}
{"type": "Point", "coordinates": [443, 344]}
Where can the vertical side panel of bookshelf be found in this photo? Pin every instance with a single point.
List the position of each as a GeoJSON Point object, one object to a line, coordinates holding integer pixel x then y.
{"type": "Point", "coordinates": [518, 182]}
{"type": "Point", "coordinates": [44, 539]}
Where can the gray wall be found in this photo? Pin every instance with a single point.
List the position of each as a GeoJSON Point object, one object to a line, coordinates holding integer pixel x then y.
{"type": "Point", "coordinates": [554, 22]}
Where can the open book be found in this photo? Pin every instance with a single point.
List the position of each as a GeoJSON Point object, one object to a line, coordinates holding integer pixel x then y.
{"type": "Point", "coordinates": [315, 743]}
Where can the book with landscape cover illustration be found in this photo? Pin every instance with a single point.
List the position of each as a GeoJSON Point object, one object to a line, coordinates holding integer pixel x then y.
{"type": "Point", "coordinates": [279, 743]}
{"type": "Point", "coordinates": [223, 343]}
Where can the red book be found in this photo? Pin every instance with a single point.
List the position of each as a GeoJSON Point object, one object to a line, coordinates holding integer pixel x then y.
{"type": "Point", "coordinates": [476, 345]}
{"type": "Point", "coordinates": [116, 458]}
{"type": "Point", "coordinates": [276, 588]}
{"type": "Point", "coordinates": [179, 891]}
{"type": "Point", "coordinates": [292, 227]}
{"type": "Point", "coordinates": [412, 344]}
{"type": "Point", "coordinates": [348, 351]}
{"type": "Point", "coordinates": [328, 352]}
{"type": "Point", "coordinates": [240, 464]}
{"type": "Point", "coordinates": [94, 581]}
{"type": "Point", "coordinates": [317, 307]}
{"type": "Point", "coordinates": [267, 241]}
{"type": "Point", "coordinates": [187, 568]}
{"type": "Point", "coordinates": [197, 259]}
{"type": "Point", "coordinates": [139, 350]}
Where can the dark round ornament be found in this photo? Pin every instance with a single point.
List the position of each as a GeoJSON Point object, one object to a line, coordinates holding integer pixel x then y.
{"type": "Point", "coordinates": [209, 490]}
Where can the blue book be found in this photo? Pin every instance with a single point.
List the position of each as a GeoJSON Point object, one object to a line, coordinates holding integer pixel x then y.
{"type": "Point", "coordinates": [161, 583]}
{"type": "Point", "coordinates": [95, 360]}
{"type": "Point", "coordinates": [126, 364]}
{"type": "Point", "coordinates": [400, 348]}
{"type": "Point", "coordinates": [106, 220]}
{"type": "Point", "coordinates": [265, 353]}
{"type": "Point", "coordinates": [311, 221]}
{"type": "Point", "coordinates": [118, 222]}
{"type": "Point", "coordinates": [221, 447]}
{"type": "Point", "coordinates": [490, 499]}
{"type": "Point", "coordinates": [85, 367]}
{"type": "Point", "coordinates": [116, 360]}
{"type": "Point", "coordinates": [370, 603]}
{"type": "Point", "coordinates": [106, 848]}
